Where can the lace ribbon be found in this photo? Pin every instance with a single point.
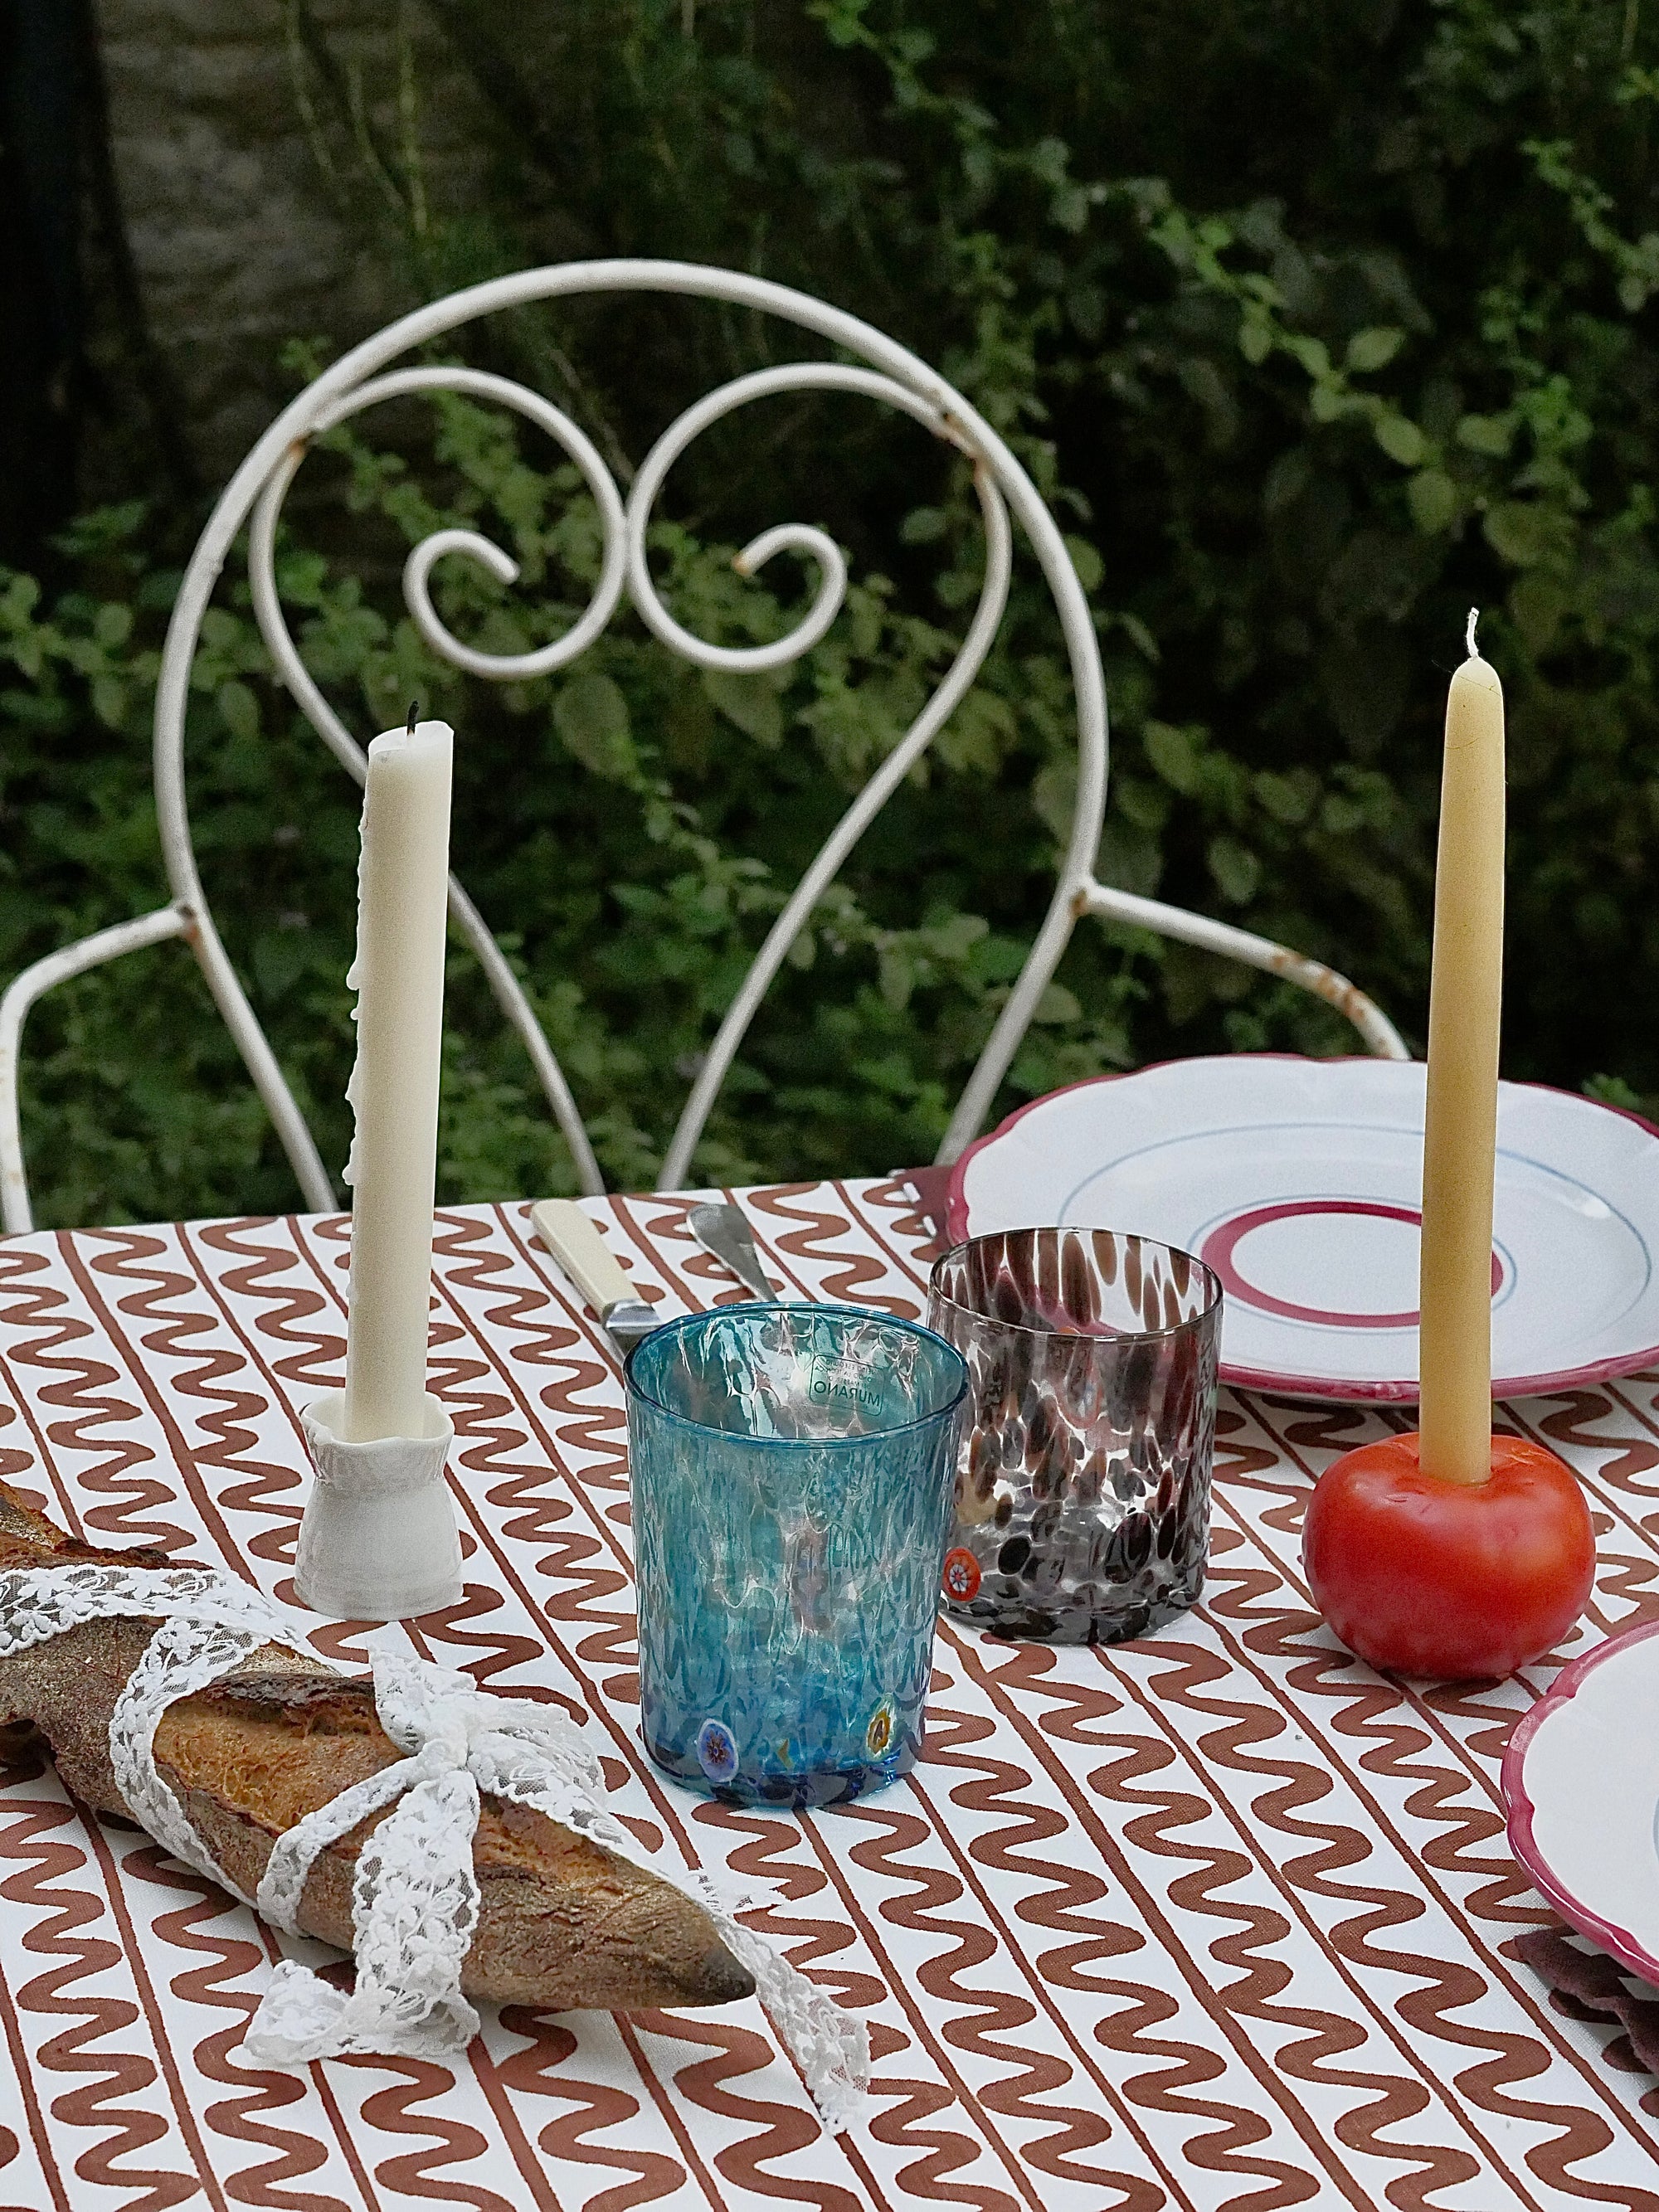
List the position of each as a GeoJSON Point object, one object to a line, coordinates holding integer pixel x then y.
{"type": "Point", "coordinates": [210, 1623]}
{"type": "Point", "coordinates": [415, 1900]}
{"type": "Point", "coordinates": [414, 1897]}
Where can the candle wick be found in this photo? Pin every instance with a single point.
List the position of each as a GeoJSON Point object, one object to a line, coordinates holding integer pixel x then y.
{"type": "Point", "coordinates": [415, 704]}
{"type": "Point", "coordinates": [1475, 650]}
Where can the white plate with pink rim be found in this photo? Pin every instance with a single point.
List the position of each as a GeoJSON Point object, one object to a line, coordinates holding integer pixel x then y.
{"type": "Point", "coordinates": [1581, 1785]}
{"type": "Point", "coordinates": [1299, 1182]}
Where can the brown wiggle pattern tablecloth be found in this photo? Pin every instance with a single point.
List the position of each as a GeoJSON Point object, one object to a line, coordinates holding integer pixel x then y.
{"type": "Point", "coordinates": [1218, 1919]}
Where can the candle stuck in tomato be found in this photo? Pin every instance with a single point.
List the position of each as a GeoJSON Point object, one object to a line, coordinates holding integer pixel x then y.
{"type": "Point", "coordinates": [1456, 1553]}
{"type": "Point", "coordinates": [1456, 1580]}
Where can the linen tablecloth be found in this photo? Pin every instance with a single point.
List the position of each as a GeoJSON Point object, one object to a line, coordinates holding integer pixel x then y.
{"type": "Point", "coordinates": [1217, 1919]}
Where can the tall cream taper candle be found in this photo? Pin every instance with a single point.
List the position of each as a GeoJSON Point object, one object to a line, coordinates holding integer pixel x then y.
{"type": "Point", "coordinates": [403, 894]}
{"type": "Point", "coordinates": [1461, 1127]}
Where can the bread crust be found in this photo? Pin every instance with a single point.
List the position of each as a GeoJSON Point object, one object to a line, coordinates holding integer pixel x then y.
{"type": "Point", "coordinates": [563, 1924]}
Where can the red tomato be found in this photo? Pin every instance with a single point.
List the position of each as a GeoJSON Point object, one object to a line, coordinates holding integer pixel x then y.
{"type": "Point", "coordinates": [1456, 1580]}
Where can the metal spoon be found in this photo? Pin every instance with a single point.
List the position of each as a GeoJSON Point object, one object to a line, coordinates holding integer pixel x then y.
{"type": "Point", "coordinates": [722, 1231]}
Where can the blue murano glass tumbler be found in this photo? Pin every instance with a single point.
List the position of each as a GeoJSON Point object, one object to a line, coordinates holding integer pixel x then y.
{"type": "Point", "coordinates": [793, 1469]}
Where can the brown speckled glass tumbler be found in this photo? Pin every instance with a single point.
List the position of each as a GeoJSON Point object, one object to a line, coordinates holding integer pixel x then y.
{"type": "Point", "coordinates": [1083, 1483]}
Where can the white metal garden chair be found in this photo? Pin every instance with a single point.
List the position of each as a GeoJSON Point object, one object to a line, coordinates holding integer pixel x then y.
{"type": "Point", "coordinates": [880, 369]}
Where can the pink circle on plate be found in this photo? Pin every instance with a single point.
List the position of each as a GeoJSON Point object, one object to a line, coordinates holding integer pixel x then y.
{"type": "Point", "coordinates": [1219, 1246]}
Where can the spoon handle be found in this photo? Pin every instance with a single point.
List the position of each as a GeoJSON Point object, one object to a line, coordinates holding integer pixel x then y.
{"type": "Point", "coordinates": [722, 1231]}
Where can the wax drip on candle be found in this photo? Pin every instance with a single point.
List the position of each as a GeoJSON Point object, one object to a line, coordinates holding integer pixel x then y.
{"type": "Point", "coordinates": [354, 1090]}
{"type": "Point", "coordinates": [354, 1085]}
{"type": "Point", "coordinates": [1475, 650]}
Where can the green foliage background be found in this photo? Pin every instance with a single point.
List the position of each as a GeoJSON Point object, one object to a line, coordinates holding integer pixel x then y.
{"type": "Point", "coordinates": [1315, 325]}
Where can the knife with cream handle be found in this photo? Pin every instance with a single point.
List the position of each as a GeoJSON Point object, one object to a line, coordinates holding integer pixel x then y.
{"type": "Point", "coordinates": [584, 1256]}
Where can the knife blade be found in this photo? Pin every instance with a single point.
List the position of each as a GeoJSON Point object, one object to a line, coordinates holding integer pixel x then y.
{"type": "Point", "coordinates": [584, 1256]}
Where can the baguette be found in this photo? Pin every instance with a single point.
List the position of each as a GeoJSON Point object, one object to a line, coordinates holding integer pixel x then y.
{"type": "Point", "coordinates": [563, 1924]}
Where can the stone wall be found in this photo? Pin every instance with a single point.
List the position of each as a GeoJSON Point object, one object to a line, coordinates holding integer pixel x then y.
{"type": "Point", "coordinates": [240, 238]}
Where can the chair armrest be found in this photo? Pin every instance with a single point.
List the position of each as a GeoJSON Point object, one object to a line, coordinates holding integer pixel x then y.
{"type": "Point", "coordinates": [1381, 1037]}
{"type": "Point", "coordinates": [35, 980]}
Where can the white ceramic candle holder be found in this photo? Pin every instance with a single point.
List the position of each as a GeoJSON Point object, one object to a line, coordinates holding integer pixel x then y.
{"type": "Point", "coordinates": [379, 1540]}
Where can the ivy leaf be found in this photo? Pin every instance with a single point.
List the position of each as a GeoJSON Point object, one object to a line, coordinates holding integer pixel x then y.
{"type": "Point", "coordinates": [955, 938]}
{"type": "Point", "coordinates": [1614, 1091]}
{"type": "Point", "coordinates": [897, 972]}
{"type": "Point", "coordinates": [748, 700]}
{"type": "Point", "coordinates": [978, 734]}
{"type": "Point", "coordinates": [112, 625]}
{"type": "Point", "coordinates": [239, 710]}
{"type": "Point", "coordinates": [1432, 497]}
{"type": "Point", "coordinates": [1313, 353]}
{"type": "Point", "coordinates": [591, 716]}
{"type": "Point", "coordinates": [1539, 604]}
{"type": "Point", "coordinates": [1526, 531]}
{"type": "Point", "coordinates": [923, 525]}
{"type": "Point", "coordinates": [281, 957]}
{"type": "Point", "coordinates": [1054, 795]}
{"type": "Point", "coordinates": [1057, 1006]}
{"type": "Point", "coordinates": [1069, 208]}
{"type": "Point", "coordinates": [843, 19]}
{"type": "Point", "coordinates": [1085, 303]}
{"type": "Point", "coordinates": [109, 700]}
{"type": "Point", "coordinates": [1372, 349]}
{"type": "Point", "coordinates": [1289, 799]}
{"type": "Point", "coordinates": [1400, 439]}
{"type": "Point", "coordinates": [1237, 870]}
{"type": "Point", "coordinates": [1173, 754]}
{"type": "Point", "coordinates": [1144, 803]}
{"type": "Point", "coordinates": [1088, 563]}
{"type": "Point", "coordinates": [1486, 434]}
{"type": "Point", "coordinates": [1144, 642]}
{"type": "Point", "coordinates": [1256, 335]}
{"type": "Point", "coordinates": [19, 600]}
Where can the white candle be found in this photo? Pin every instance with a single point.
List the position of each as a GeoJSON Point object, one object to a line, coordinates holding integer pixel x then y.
{"type": "Point", "coordinates": [402, 888]}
